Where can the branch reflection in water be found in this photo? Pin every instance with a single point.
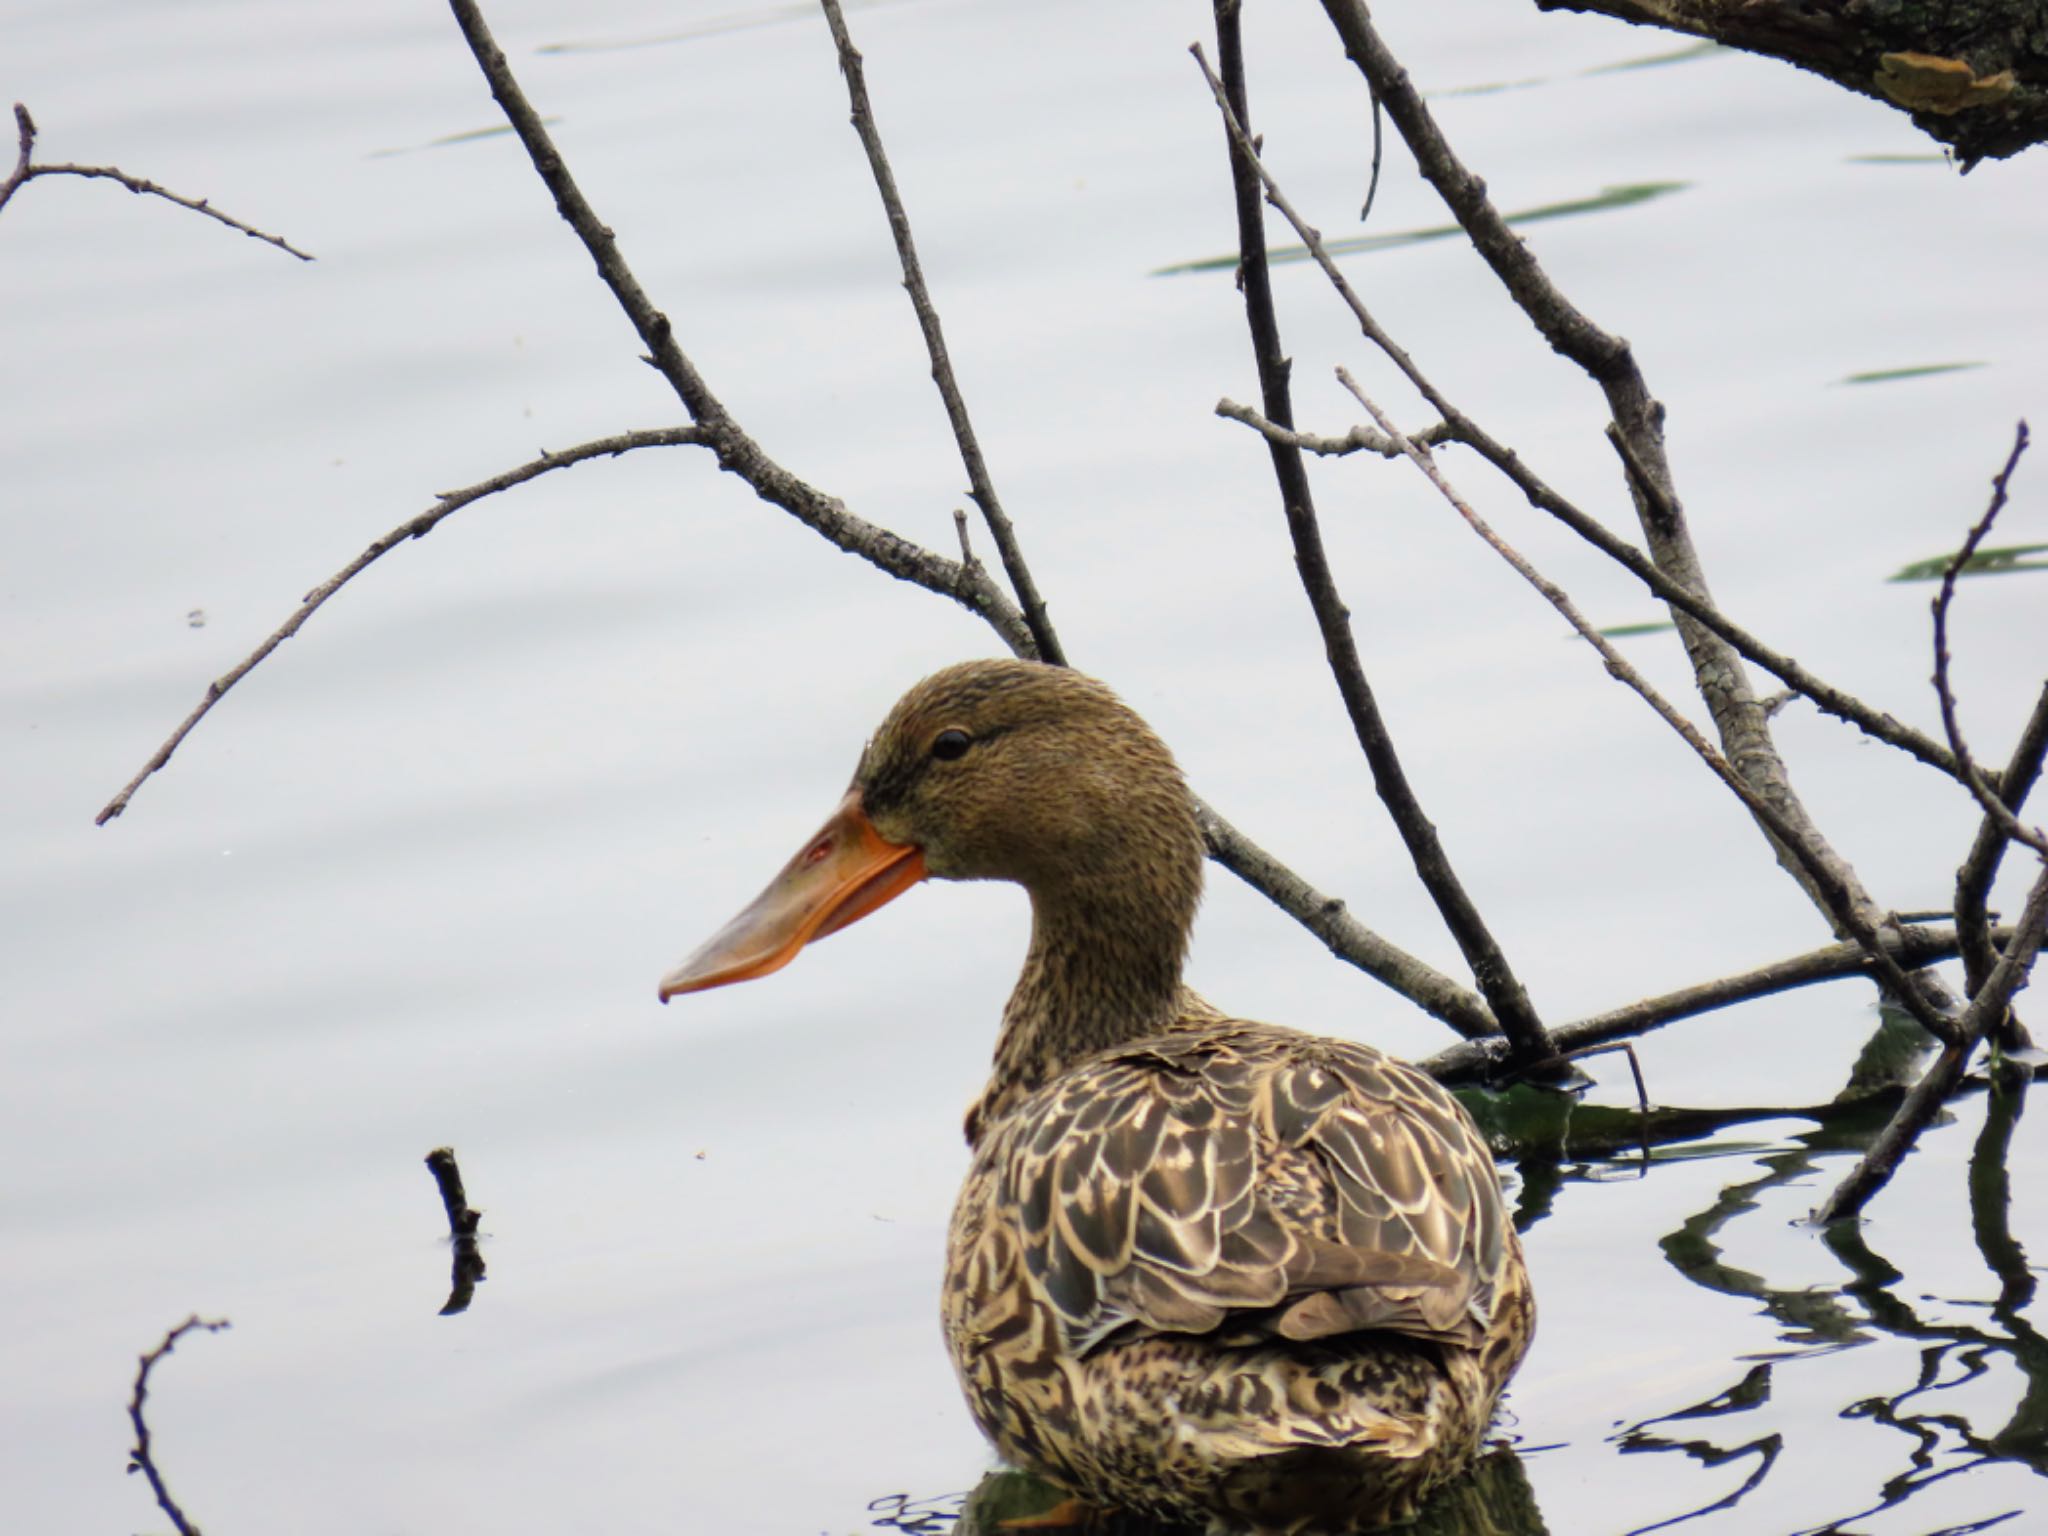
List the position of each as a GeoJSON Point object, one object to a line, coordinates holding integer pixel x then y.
{"type": "Point", "coordinates": [1938, 1438]}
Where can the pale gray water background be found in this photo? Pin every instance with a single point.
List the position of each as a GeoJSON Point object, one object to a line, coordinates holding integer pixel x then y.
{"type": "Point", "coordinates": [414, 883]}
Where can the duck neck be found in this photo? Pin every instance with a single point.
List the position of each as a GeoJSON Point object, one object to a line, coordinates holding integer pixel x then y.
{"type": "Point", "coordinates": [1103, 969]}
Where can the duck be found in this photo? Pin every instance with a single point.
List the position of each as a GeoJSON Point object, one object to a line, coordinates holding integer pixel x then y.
{"type": "Point", "coordinates": [1202, 1270]}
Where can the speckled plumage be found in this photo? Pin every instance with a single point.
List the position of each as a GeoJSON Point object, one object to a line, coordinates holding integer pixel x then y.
{"type": "Point", "coordinates": [1201, 1268]}
{"type": "Point", "coordinates": [1239, 1274]}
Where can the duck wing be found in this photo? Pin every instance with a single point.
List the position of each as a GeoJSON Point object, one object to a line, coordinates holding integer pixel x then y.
{"type": "Point", "coordinates": [1253, 1183]}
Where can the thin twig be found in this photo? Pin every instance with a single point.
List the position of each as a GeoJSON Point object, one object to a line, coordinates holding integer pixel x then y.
{"type": "Point", "coordinates": [413, 528]}
{"type": "Point", "coordinates": [25, 171]}
{"type": "Point", "coordinates": [1046, 642]}
{"type": "Point", "coordinates": [1994, 808]}
{"type": "Point", "coordinates": [1459, 428]}
{"type": "Point", "coordinates": [25, 138]}
{"type": "Point", "coordinates": [140, 1458]}
{"type": "Point", "coordinates": [1840, 904]}
{"type": "Point", "coordinates": [1491, 972]}
{"type": "Point", "coordinates": [654, 328]}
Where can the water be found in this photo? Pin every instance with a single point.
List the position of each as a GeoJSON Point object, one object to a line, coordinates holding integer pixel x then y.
{"type": "Point", "coordinates": [415, 880]}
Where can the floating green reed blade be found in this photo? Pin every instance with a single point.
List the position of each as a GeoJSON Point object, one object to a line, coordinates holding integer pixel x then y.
{"type": "Point", "coordinates": [2000, 560]}
{"type": "Point", "coordinates": [1609, 197]}
{"type": "Point", "coordinates": [1918, 371]}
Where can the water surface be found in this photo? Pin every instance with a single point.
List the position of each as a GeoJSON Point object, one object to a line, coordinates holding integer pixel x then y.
{"type": "Point", "coordinates": [415, 881]}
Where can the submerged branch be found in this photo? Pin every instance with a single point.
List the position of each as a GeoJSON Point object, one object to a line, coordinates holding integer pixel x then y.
{"type": "Point", "coordinates": [1876, 1167]}
{"type": "Point", "coordinates": [1484, 1059]}
{"type": "Point", "coordinates": [466, 1268]}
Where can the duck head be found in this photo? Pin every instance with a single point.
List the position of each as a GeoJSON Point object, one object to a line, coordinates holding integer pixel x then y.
{"type": "Point", "coordinates": [1000, 770]}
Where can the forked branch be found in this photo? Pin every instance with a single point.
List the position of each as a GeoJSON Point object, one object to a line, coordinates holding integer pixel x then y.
{"type": "Point", "coordinates": [1638, 421]}
{"type": "Point", "coordinates": [1840, 904]}
{"type": "Point", "coordinates": [25, 171]}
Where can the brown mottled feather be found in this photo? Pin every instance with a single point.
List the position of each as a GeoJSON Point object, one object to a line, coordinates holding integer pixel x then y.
{"type": "Point", "coordinates": [1144, 1200]}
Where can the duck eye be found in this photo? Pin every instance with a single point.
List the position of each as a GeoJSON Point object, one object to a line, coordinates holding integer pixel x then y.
{"type": "Point", "coordinates": [951, 745]}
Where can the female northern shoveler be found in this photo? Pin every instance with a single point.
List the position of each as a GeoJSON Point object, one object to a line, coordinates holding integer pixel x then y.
{"type": "Point", "coordinates": [1202, 1268]}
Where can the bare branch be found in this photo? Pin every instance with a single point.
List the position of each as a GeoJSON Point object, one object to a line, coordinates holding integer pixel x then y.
{"type": "Point", "coordinates": [413, 528]}
{"type": "Point", "coordinates": [1638, 419]}
{"type": "Point", "coordinates": [1916, 58]}
{"type": "Point", "coordinates": [1046, 645]}
{"type": "Point", "coordinates": [1912, 947]}
{"type": "Point", "coordinates": [140, 1458]}
{"type": "Point", "coordinates": [1987, 796]}
{"type": "Point", "coordinates": [1839, 902]}
{"type": "Point", "coordinates": [737, 453]}
{"type": "Point", "coordinates": [965, 582]}
{"type": "Point", "coordinates": [1345, 937]}
{"type": "Point", "coordinates": [1825, 697]}
{"type": "Point", "coordinates": [1991, 987]}
{"type": "Point", "coordinates": [668, 359]}
{"type": "Point", "coordinates": [25, 171]}
{"type": "Point", "coordinates": [1460, 428]}
{"type": "Point", "coordinates": [1495, 978]}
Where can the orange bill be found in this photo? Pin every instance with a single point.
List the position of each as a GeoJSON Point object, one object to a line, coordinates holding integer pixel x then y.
{"type": "Point", "coordinates": [845, 872]}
